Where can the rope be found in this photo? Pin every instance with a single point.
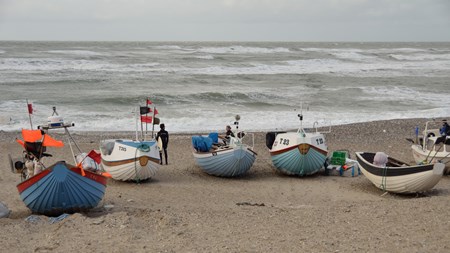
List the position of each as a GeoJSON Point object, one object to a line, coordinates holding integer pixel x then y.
{"type": "Point", "coordinates": [383, 179]}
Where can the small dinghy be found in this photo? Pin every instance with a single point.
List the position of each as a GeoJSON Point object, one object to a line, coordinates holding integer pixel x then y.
{"type": "Point", "coordinates": [299, 153]}
{"type": "Point", "coordinates": [61, 187]}
{"type": "Point", "coordinates": [230, 159]}
{"type": "Point", "coordinates": [133, 160]}
{"type": "Point", "coordinates": [395, 176]}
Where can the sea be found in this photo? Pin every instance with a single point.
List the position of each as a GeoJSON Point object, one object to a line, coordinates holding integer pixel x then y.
{"type": "Point", "coordinates": [202, 86]}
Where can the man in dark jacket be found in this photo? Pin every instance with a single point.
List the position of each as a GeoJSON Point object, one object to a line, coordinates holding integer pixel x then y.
{"type": "Point", "coordinates": [164, 135]}
{"type": "Point", "coordinates": [228, 134]}
{"type": "Point", "coordinates": [445, 129]}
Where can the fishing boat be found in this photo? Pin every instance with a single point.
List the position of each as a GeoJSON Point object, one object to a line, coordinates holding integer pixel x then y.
{"type": "Point", "coordinates": [133, 160]}
{"type": "Point", "coordinates": [299, 153]}
{"type": "Point", "coordinates": [229, 159]}
{"type": "Point", "coordinates": [432, 147]}
{"type": "Point", "coordinates": [130, 160]}
{"type": "Point", "coordinates": [61, 187]}
{"type": "Point", "coordinates": [392, 175]}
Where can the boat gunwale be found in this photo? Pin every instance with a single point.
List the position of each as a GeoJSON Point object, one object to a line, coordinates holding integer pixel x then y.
{"type": "Point", "coordinates": [390, 171]}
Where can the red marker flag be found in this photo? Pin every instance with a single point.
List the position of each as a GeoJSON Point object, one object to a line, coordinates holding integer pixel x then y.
{"type": "Point", "coordinates": [146, 119]}
{"type": "Point", "coordinates": [156, 112]}
{"type": "Point", "coordinates": [95, 156]}
{"type": "Point", "coordinates": [149, 102]}
{"type": "Point", "coordinates": [30, 108]}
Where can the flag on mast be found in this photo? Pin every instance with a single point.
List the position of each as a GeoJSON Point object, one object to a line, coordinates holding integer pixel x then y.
{"type": "Point", "coordinates": [30, 108]}
{"type": "Point", "coordinates": [30, 111]}
{"type": "Point", "coordinates": [146, 119]}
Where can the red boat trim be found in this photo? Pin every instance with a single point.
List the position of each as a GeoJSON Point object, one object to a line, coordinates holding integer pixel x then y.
{"type": "Point", "coordinates": [93, 176]}
{"type": "Point", "coordinates": [32, 180]}
{"type": "Point", "coordinates": [324, 152]}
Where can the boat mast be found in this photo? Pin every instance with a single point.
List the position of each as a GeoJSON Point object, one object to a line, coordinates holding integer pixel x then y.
{"type": "Point", "coordinates": [137, 119]}
{"type": "Point", "coordinates": [300, 116]}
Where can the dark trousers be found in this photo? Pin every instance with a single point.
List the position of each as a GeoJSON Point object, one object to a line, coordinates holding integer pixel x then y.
{"type": "Point", "coordinates": [165, 155]}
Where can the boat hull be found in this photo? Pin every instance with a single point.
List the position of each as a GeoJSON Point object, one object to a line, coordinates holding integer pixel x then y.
{"type": "Point", "coordinates": [62, 189]}
{"type": "Point", "coordinates": [421, 155]}
{"type": "Point", "coordinates": [128, 161]}
{"type": "Point", "coordinates": [299, 155]}
{"type": "Point", "coordinates": [404, 179]}
{"type": "Point", "coordinates": [229, 162]}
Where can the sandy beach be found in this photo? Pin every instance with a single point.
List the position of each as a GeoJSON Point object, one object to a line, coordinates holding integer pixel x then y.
{"type": "Point", "coordinates": [183, 209]}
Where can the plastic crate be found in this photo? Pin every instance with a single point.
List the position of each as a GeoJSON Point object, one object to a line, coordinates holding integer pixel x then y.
{"type": "Point", "coordinates": [338, 157]}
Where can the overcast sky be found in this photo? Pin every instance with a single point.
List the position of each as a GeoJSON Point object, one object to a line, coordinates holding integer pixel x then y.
{"type": "Point", "coordinates": [226, 20]}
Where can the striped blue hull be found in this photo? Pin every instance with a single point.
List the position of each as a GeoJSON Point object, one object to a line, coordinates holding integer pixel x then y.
{"type": "Point", "coordinates": [292, 162]}
{"type": "Point", "coordinates": [62, 190]}
{"type": "Point", "coordinates": [226, 163]}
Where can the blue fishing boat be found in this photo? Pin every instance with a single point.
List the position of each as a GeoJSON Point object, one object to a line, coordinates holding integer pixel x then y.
{"type": "Point", "coordinates": [61, 187]}
{"type": "Point", "coordinates": [229, 159]}
{"type": "Point", "coordinates": [299, 153]}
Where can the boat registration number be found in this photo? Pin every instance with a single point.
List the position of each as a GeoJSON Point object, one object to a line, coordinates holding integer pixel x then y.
{"type": "Point", "coordinates": [319, 141]}
{"type": "Point", "coordinates": [284, 141]}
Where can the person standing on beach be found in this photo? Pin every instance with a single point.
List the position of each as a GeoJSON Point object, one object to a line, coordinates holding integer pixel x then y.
{"type": "Point", "coordinates": [164, 135]}
{"type": "Point", "coordinates": [445, 129]}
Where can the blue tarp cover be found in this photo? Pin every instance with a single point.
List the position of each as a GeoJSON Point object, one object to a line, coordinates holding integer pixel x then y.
{"type": "Point", "coordinates": [214, 136]}
{"type": "Point", "coordinates": [201, 143]}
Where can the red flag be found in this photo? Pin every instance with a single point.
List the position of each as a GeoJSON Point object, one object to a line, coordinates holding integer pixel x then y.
{"type": "Point", "coordinates": [30, 108]}
{"type": "Point", "coordinates": [156, 111]}
{"type": "Point", "coordinates": [95, 156]}
{"type": "Point", "coordinates": [149, 102]}
{"type": "Point", "coordinates": [146, 119]}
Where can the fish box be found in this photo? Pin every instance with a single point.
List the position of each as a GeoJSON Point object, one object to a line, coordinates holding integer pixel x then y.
{"type": "Point", "coordinates": [338, 157]}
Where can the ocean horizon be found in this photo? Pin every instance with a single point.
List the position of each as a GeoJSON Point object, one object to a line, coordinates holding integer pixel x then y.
{"type": "Point", "coordinates": [201, 86]}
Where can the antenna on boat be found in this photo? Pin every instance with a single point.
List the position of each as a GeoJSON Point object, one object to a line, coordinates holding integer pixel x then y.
{"type": "Point", "coordinates": [54, 111]}
{"type": "Point", "coordinates": [236, 123]}
{"type": "Point", "coordinates": [300, 116]}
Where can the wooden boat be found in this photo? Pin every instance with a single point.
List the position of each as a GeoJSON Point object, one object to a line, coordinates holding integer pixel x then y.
{"type": "Point", "coordinates": [432, 147]}
{"type": "Point", "coordinates": [130, 160]}
{"type": "Point", "coordinates": [224, 160]}
{"type": "Point", "coordinates": [299, 153]}
{"type": "Point", "coordinates": [399, 177]}
{"type": "Point", "coordinates": [60, 188]}
{"type": "Point", "coordinates": [133, 160]}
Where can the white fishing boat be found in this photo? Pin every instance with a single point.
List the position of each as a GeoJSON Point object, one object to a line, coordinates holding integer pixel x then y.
{"type": "Point", "coordinates": [230, 159]}
{"type": "Point", "coordinates": [395, 176]}
{"type": "Point", "coordinates": [299, 153]}
{"type": "Point", "coordinates": [432, 147]}
{"type": "Point", "coordinates": [131, 160]}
